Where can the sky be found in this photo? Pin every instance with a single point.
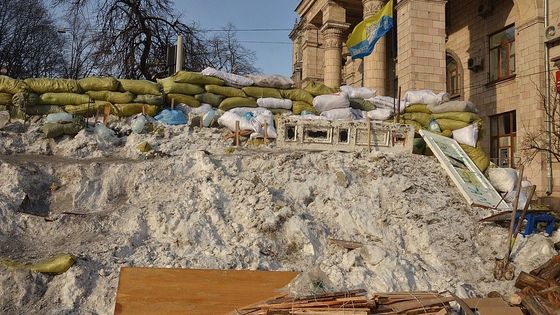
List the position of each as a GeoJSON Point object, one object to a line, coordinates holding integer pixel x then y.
{"type": "Point", "coordinates": [274, 56]}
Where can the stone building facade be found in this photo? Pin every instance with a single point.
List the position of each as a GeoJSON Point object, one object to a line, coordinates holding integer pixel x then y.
{"type": "Point", "coordinates": [491, 52]}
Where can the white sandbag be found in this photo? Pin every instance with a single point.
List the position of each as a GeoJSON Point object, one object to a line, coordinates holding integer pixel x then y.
{"type": "Point", "coordinates": [467, 135]}
{"type": "Point", "coordinates": [230, 79]}
{"type": "Point", "coordinates": [338, 114]}
{"type": "Point", "coordinates": [326, 102]}
{"type": "Point", "coordinates": [523, 195]}
{"type": "Point", "coordinates": [199, 111]}
{"type": "Point", "coordinates": [453, 106]}
{"type": "Point", "coordinates": [271, 80]}
{"type": "Point", "coordinates": [229, 118]}
{"type": "Point", "coordinates": [388, 102]}
{"type": "Point", "coordinates": [269, 119]}
{"type": "Point", "coordinates": [358, 92]}
{"type": "Point", "coordinates": [380, 114]}
{"type": "Point", "coordinates": [258, 116]}
{"type": "Point", "coordinates": [425, 97]}
{"type": "Point", "coordinates": [269, 102]}
{"type": "Point", "coordinates": [503, 179]}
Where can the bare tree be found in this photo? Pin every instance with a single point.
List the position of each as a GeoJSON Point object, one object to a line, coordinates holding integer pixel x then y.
{"type": "Point", "coordinates": [537, 141]}
{"type": "Point", "coordinates": [225, 52]}
{"type": "Point", "coordinates": [29, 42]}
{"type": "Point", "coordinates": [79, 44]}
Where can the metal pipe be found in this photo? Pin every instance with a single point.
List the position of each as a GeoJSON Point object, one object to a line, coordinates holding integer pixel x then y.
{"type": "Point", "coordinates": [179, 55]}
{"type": "Point", "coordinates": [548, 120]}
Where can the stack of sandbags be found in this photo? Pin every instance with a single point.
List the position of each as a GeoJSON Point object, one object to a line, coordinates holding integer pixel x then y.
{"type": "Point", "coordinates": [148, 98]}
{"type": "Point", "coordinates": [9, 87]}
{"type": "Point", "coordinates": [102, 91]}
{"type": "Point", "coordinates": [48, 96]}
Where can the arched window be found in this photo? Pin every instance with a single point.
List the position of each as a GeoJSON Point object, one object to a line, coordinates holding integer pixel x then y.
{"type": "Point", "coordinates": [453, 77]}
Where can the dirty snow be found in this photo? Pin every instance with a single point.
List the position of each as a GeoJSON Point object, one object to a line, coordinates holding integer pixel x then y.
{"type": "Point", "coordinates": [200, 205]}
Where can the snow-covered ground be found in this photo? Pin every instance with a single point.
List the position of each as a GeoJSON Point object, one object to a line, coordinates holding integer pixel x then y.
{"type": "Point", "coordinates": [202, 205]}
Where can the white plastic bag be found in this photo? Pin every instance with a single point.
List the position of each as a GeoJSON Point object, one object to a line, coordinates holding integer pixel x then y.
{"type": "Point", "coordinates": [358, 92]}
{"type": "Point", "coordinates": [503, 179]}
{"type": "Point", "coordinates": [269, 102]}
{"type": "Point", "coordinates": [326, 102]}
{"type": "Point", "coordinates": [230, 79]}
{"type": "Point", "coordinates": [105, 137]}
{"type": "Point", "coordinates": [250, 119]}
{"type": "Point", "coordinates": [59, 117]}
{"type": "Point", "coordinates": [467, 135]}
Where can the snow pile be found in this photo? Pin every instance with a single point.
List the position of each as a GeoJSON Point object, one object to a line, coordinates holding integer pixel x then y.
{"type": "Point", "coordinates": [203, 207]}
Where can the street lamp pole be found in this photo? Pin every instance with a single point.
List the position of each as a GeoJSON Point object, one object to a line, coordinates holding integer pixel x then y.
{"type": "Point", "coordinates": [179, 54]}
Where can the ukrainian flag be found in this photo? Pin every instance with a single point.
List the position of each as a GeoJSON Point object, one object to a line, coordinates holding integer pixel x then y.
{"type": "Point", "coordinates": [366, 34]}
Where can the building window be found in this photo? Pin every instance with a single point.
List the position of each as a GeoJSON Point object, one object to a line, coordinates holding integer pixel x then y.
{"type": "Point", "coordinates": [503, 129]}
{"type": "Point", "coordinates": [502, 54]}
{"type": "Point", "coordinates": [453, 77]}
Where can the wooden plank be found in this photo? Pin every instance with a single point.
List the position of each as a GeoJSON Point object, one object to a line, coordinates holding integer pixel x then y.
{"type": "Point", "coordinates": [194, 291]}
{"type": "Point", "coordinates": [527, 280]}
{"type": "Point", "coordinates": [346, 244]}
{"type": "Point", "coordinates": [412, 305]}
{"type": "Point", "coordinates": [549, 270]}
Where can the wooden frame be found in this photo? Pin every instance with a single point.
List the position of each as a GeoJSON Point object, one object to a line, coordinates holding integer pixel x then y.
{"type": "Point", "coordinates": [495, 147]}
{"type": "Point", "coordinates": [498, 48]}
{"type": "Point", "coordinates": [472, 184]}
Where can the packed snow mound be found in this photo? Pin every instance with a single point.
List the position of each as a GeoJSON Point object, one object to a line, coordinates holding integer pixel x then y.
{"type": "Point", "coordinates": [251, 209]}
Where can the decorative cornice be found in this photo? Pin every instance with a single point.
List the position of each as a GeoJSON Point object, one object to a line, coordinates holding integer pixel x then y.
{"type": "Point", "coordinates": [372, 6]}
{"type": "Point", "coordinates": [332, 34]}
{"type": "Point", "coordinates": [403, 2]}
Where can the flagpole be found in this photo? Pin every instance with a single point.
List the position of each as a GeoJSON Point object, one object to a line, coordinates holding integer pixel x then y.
{"type": "Point", "coordinates": [363, 71]}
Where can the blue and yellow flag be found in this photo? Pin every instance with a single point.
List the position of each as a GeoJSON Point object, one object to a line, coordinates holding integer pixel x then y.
{"type": "Point", "coordinates": [366, 34]}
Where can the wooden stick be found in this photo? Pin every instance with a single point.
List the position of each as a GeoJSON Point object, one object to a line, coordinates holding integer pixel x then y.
{"type": "Point", "coordinates": [200, 121]}
{"type": "Point", "coordinates": [172, 104]}
{"type": "Point", "coordinates": [237, 133]}
{"type": "Point", "coordinates": [265, 132]}
{"type": "Point", "coordinates": [143, 109]}
{"type": "Point", "coordinates": [398, 112]}
{"type": "Point", "coordinates": [522, 216]}
{"type": "Point", "coordinates": [106, 113]}
{"type": "Point", "coordinates": [190, 116]}
{"type": "Point", "coordinates": [514, 212]}
{"type": "Point", "coordinates": [96, 114]}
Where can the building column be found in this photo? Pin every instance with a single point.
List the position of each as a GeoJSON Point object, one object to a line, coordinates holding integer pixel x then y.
{"type": "Point", "coordinates": [332, 36]}
{"type": "Point", "coordinates": [421, 44]}
{"type": "Point", "coordinates": [375, 65]}
{"type": "Point", "coordinates": [312, 53]}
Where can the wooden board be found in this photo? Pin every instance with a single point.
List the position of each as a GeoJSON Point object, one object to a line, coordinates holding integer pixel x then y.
{"type": "Point", "coordinates": [472, 184]}
{"type": "Point", "coordinates": [194, 291]}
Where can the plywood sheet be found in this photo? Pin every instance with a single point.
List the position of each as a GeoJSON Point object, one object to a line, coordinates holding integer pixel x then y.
{"type": "Point", "coordinates": [194, 291]}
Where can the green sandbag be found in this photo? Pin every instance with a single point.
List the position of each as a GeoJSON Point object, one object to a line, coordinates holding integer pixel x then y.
{"type": "Point", "coordinates": [170, 86]}
{"type": "Point", "coordinates": [45, 85]}
{"type": "Point", "coordinates": [418, 146]}
{"type": "Point", "coordinates": [362, 104]}
{"type": "Point", "coordinates": [421, 118]}
{"type": "Point", "coordinates": [127, 110]}
{"type": "Point", "coordinates": [55, 265]}
{"type": "Point", "coordinates": [299, 106]}
{"type": "Point", "coordinates": [450, 124]}
{"type": "Point", "coordinates": [63, 99]}
{"type": "Point", "coordinates": [99, 84]}
{"type": "Point", "coordinates": [477, 155]}
{"type": "Point", "coordinates": [226, 91]}
{"type": "Point", "coordinates": [196, 78]}
{"type": "Point", "coordinates": [467, 117]}
{"type": "Point", "coordinates": [233, 102]}
{"type": "Point", "coordinates": [188, 100]}
{"type": "Point", "coordinates": [297, 95]}
{"type": "Point", "coordinates": [140, 87]}
{"type": "Point", "coordinates": [42, 110]}
{"type": "Point", "coordinates": [55, 130]}
{"type": "Point", "coordinates": [149, 99]}
{"type": "Point", "coordinates": [88, 110]}
{"type": "Point", "coordinates": [260, 92]}
{"type": "Point", "coordinates": [5, 99]}
{"type": "Point", "coordinates": [210, 98]}
{"type": "Point", "coordinates": [417, 126]}
{"type": "Point", "coordinates": [25, 99]}
{"type": "Point", "coordinates": [316, 88]}
{"type": "Point", "coordinates": [417, 108]}
{"type": "Point", "coordinates": [12, 86]}
{"type": "Point", "coordinates": [113, 97]}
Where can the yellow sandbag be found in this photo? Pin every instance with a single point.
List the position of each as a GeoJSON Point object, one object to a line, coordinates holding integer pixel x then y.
{"type": "Point", "coordinates": [467, 117]}
{"type": "Point", "coordinates": [140, 87]}
{"type": "Point", "coordinates": [259, 92]}
{"type": "Point", "coordinates": [25, 99]}
{"type": "Point", "coordinates": [226, 91]}
{"type": "Point", "coordinates": [417, 108]}
{"type": "Point", "coordinates": [12, 86]}
{"type": "Point", "coordinates": [417, 126]}
{"type": "Point", "coordinates": [182, 99]}
{"type": "Point", "coordinates": [316, 89]}
{"type": "Point", "coordinates": [210, 98]}
{"type": "Point", "coordinates": [127, 110]}
{"type": "Point", "coordinates": [99, 84]}
{"type": "Point", "coordinates": [5, 98]}
{"type": "Point", "coordinates": [449, 124]}
{"type": "Point", "coordinates": [88, 110]}
{"type": "Point", "coordinates": [297, 95]}
{"type": "Point", "coordinates": [55, 265]}
{"type": "Point", "coordinates": [421, 118]}
{"type": "Point", "coordinates": [477, 155]}
{"type": "Point", "coordinates": [233, 102]}
{"type": "Point", "coordinates": [45, 85]}
{"type": "Point", "coordinates": [63, 99]}
{"type": "Point", "coordinates": [148, 99]}
{"type": "Point", "coordinates": [195, 78]}
{"type": "Point", "coordinates": [299, 106]}
{"type": "Point", "coordinates": [113, 97]}
{"type": "Point", "coordinates": [170, 86]}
